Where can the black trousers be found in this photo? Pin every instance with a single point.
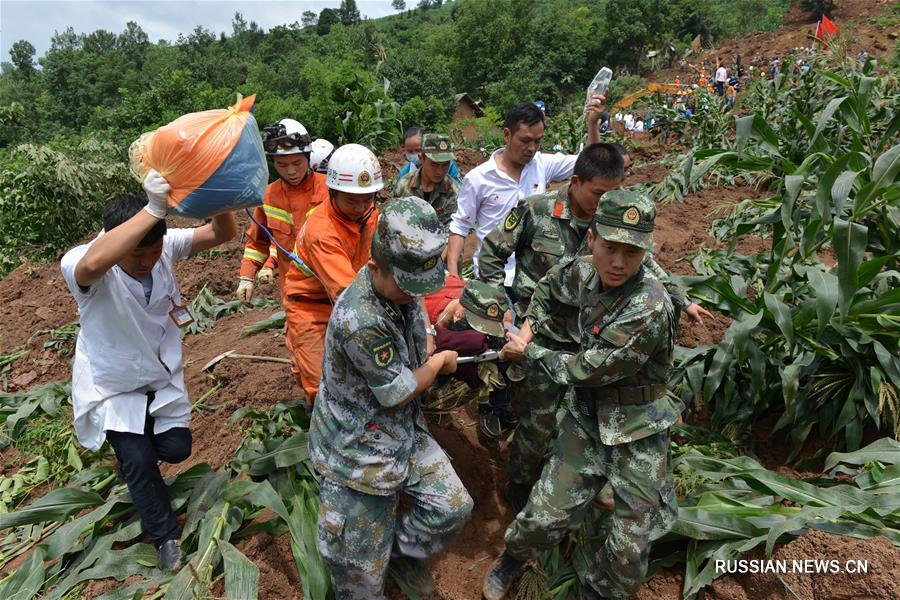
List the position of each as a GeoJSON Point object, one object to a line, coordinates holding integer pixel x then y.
{"type": "Point", "coordinates": [138, 456]}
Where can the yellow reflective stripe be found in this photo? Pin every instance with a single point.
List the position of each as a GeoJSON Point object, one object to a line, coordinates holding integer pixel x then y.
{"type": "Point", "coordinates": [254, 255]}
{"type": "Point", "coordinates": [277, 213]}
{"type": "Point", "coordinates": [310, 211]}
{"type": "Point", "coordinates": [273, 251]}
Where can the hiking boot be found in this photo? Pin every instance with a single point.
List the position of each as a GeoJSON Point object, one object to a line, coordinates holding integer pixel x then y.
{"type": "Point", "coordinates": [499, 579]}
{"type": "Point", "coordinates": [411, 573]}
{"type": "Point", "coordinates": [489, 430]}
{"type": "Point", "coordinates": [517, 495]}
{"type": "Point", "coordinates": [168, 556]}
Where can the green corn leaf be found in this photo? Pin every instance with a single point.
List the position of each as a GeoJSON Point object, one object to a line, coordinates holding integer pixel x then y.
{"type": "Point", "coordinates": [782, 315]}
{"type": "Point", "coordinates": [841, 189]}
{"type": "Point", "coordinates": [55, 506]}
{"type": "Point", "coordinates": [241, 575]}
{"type": "Point", "coordinates": [849, 245]}
{"type": "Point", "coordinates": [870, 268]}
{"type": "Point", "coordinates": [824, 117]}
{"type": "Point", "coordinates": [825, 286]}
{"type": "Point", "coordinates": [885, 450]}
{"type": "Point", "coordinates": [26, 582]}
{"type": "Point", "coordinates": [273, 321]}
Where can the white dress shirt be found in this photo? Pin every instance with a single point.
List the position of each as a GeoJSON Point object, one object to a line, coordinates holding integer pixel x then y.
{"type": "Point", "coordinates": [488, 194]}
{"type": "Point", "coordinates": [128, 346]}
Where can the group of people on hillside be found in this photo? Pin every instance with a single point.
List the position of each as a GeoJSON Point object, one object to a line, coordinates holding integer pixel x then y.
{"type": "Point", "coordinates": [564, 284]}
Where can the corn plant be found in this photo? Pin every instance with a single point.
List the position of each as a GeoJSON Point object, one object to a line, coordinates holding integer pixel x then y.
{"type": "Point", "coordinates": [70, 532]}
{"type": "Point", "coordinates": [371, 117]}
{"type": "Point", "coordinates": [818, 343]}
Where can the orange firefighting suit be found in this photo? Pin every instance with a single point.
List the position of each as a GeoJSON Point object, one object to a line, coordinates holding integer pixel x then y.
{"type": "Point", "coordinates": [284, 210]}
{"type": "Point", "coordinates": [333, 249]}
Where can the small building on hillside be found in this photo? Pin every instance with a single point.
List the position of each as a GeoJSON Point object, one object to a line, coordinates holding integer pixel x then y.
{"type": "Point", "coordinates": [467, 109]}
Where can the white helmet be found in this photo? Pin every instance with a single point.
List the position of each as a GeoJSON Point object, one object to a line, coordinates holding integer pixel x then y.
{"type": "Point", "coordinates": [355, 170]}
{"type": "Point", "coordinates": [321, 151]}
{"type": "Point", "coordinates": [286, 136]}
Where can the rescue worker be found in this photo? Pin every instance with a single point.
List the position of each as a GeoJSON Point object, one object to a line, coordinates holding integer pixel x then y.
{"type": "Point", "coordinates": [368, 438]}
{"type": "Point", "coordinates": [616, 429]}
{"type": "Point", "coordinates": [333, 244]}
{"type": "Point", "coordinates": [412, 147]}
{"type": "Point", "coordinates": [540, 232]}
{"type": "Point", "coordinates": [285, 205]}
{"type": "Point", "coordinates": [321, 152]}
{"type": "Point", "coordinates": [430, 181]}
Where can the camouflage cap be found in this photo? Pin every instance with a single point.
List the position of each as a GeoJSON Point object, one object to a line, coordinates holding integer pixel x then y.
{"type": "Point", "coordinates": [484, 305]}
{"type": "Point", "coordinates": [437, 147]}
{"type": "Point", "coordinates": [626, 216]}
{"type": "Point", "coordinates": [411, 239]}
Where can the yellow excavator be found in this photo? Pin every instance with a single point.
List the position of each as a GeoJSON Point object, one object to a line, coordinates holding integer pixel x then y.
{"type": "Point", "coordinates": [652, 88]}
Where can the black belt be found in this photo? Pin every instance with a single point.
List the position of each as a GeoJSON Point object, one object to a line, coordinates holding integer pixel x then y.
{"type": "Point", "coordinates": [587, 399]}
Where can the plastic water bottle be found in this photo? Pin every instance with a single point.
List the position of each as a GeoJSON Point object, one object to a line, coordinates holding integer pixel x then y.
{"type": "Point", "coordinates": [598, 85]}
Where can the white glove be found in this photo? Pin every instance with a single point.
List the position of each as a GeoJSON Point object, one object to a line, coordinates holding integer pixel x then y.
{"type": "Point", "coordinates": [244, 291]}
{"type": "Point", "coordinates": [265, 276]}
{"type": "Point", "coordinates": [157, 189]}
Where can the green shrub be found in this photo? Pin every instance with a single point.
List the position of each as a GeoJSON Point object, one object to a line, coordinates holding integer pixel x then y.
{"type": "Point", "coordinates": [52, 195]}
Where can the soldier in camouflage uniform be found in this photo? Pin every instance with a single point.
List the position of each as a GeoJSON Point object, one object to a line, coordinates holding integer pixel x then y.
{"type": "Point", "coordinates": [430, 181]}
{"type": "Point", "coordinates": [541, 231]}
{"type": "Point", "coordinates": [368, 439]}
{"type": "Point", "coordinates": [616, 428]}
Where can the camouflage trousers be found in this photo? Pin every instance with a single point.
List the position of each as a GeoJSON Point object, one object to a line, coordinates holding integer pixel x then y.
{"type": "Point", "coordinates": [357, 532]}
{"type": "Point", "coordinates": [645, 504]}
{"type": "Point", "coordinates": [535, 399]}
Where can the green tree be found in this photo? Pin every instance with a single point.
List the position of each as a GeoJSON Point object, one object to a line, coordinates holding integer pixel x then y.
{"type": "Point", "coordinates": [22, 55]}
{"type": "Point", "coordinates": [632, 27]}
{"type": "Point", "coordinates": [349, 13]}
{"type": "Point", "coordinates": [818, 7]}
{"type": "Point", "coordinates": [309, 18]}
{"type": "Point", "coordinates": [327, 18]}
{"type": "Point", "coordinates": [398, 5]}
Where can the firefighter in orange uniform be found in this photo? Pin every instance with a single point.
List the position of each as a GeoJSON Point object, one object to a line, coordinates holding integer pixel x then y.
{"type": "Point", "coordinates": [333, 244]}
{"type": "Point", "coordinates": [287, 202]}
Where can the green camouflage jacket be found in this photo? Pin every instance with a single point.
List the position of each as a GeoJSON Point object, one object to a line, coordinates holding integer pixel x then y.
{"type": "Point", "coordinates": [540, 231]}
{"type": "Point", "coordinates": [357, 435]}
{"type": "Point", "coordinates": [443, 197]}
{"type": "Point", "coordinates": [627, 340]}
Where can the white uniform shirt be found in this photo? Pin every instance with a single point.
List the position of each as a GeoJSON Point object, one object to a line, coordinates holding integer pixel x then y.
{"type": "Point", "coordinates": [127, 347]}
{"type": "Point", "coordinates": [488, 194]}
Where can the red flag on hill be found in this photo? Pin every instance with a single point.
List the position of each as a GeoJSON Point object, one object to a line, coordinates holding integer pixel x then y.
{"type": "Point", "coordinates": [825, 29]}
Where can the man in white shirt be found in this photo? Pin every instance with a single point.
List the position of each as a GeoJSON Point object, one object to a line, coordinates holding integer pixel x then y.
{"type": "Point", "coordinates": [721, 78]}
{"type": "Point", "coordinates": [127, 375]}
{"type": "Point", "coordinates": [487, 195]}
{"type": "Point", "coordinates": [511, 174]}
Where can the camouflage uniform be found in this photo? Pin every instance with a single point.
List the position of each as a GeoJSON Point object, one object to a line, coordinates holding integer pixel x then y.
{"type": "Point", "coordinates": [443, 197]}
{"type": "Point", "coordinates": [540, 232]}
{"type": "Point", "coordinates": [367, 445]}
{"type": "Point", "coordinates": [616, 428]}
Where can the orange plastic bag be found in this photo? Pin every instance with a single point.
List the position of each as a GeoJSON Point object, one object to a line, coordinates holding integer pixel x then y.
{"type": "Point", "coordinates": [214, 160]}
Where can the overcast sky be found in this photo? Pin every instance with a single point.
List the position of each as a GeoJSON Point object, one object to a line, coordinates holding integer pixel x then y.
{"type": "Point", "coordinates": [36, 20]}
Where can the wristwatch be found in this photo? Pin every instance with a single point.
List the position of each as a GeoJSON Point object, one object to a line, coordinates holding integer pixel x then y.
{"type": "Point", "coordinates": [430, 330]}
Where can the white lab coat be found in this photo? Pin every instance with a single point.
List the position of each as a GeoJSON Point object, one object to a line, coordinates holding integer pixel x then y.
{"type": "Point", "coordinates": [127, 347]}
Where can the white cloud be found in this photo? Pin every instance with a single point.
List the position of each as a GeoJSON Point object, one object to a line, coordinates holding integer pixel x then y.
{"type": "Point", "coordinates": [36, 21]}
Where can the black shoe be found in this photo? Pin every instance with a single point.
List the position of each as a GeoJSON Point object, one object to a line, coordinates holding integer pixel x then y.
{"type": "Point", "coordinates": [411, 573]}
{"type": "Point", "coordinates": [499, 579]}
{"type": "Point", "coordinates": [168, 556]}
{"type": "Point", "coordinates": [517, 495]}
{"type": "Point", "coordinates": [489, 430]}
